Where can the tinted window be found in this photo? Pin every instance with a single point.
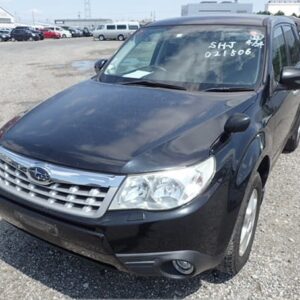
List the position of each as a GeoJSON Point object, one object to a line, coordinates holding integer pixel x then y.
{"type": "Point", "coordinates": [111, 27]}
{"type": "Point", "coordinates": [293, 44]}
{"type": "Point", "coordinates": [279, 53]}
{"type": "Point", "coordinates": [121, 27]}
{"type": "Point", "coordinates": [133, 27]}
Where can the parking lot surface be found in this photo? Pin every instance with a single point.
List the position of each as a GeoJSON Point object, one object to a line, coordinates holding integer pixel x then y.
{"type": "Point", "coordinates": [31, 269]}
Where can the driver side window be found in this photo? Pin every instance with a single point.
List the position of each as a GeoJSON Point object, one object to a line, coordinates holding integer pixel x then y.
{"type": "Point", "coordinates": [140, 56]}
{"type": "Point", "coordinates": [279, 54]}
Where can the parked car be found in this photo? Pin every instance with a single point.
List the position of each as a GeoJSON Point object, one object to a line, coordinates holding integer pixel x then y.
{"type": "Point", "coordinates": [4, 37]}
{"type": "Point", "coordinates": [160, 163]}
{"type": "Point", "coordinates": [24, 34]}
{"type": "Point", "coordinates": [76, 32]}
{"type": "Point", "coordinates": [63, 33]}
{"type": "Point", "coordinates": [39, 33]}
{"type": "Point", "coordinates": [34, 30]}
{"type": "Point", "coordinates": [50, 34]}
{"type": "Point", "coordinates": [115, 31]}
{"type": "Point", "coordinates": [86, 32]}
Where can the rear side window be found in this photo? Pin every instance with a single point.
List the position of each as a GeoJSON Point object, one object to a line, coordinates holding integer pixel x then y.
{"type": "Point", "coordinates": [279, 53]}
{"type": "Point", "coordinates": [121, 27]}
{"type": "Point", "coordinates": [293, 44]}
{"type": "Point", "coordinates": [111, 27]}
{"type": "Point", "coordinates": [133, 27]}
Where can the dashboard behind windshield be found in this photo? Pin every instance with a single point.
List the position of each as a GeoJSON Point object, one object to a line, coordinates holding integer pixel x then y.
{"type": "Point", "coordinates": [194, 56]}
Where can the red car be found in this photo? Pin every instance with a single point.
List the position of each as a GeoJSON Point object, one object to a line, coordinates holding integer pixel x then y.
{"type": "Point", "coordinates": [49, 34]}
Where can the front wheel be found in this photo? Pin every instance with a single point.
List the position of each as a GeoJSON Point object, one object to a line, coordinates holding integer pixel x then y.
{"type": "Point", "coordinates": [240, 245]}
{"type": "Point", "coordinates": [101, 38]}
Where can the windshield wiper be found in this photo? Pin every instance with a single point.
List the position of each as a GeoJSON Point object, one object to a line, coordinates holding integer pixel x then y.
{"type": "Point", "coordinates": [155, 84]}
{"type": "Point", "coordinates": [229, 89]}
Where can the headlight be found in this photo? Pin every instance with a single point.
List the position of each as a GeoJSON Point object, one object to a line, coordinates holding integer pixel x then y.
{"type": "Point", "coordinates": [164, 190]}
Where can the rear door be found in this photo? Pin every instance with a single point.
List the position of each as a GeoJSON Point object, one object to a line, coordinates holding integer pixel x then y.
{"type": "Point", "coordinates": [283, 104]}
{"type": "Point", "coordinates": [293, 48]}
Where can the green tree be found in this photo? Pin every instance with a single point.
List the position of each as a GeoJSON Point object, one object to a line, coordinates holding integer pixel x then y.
{"type": "Point", "coordinates": [280, 13]}
{"type": "Point", "coordinates": [294, 15]}
{"type": "Point", "coordinates": [264, 12]}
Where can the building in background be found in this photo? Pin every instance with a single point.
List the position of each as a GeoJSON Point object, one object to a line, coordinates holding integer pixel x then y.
{"type": "Point", "coordinates": [7, 20]}
{"type": "Point", "coordinates": [206, 7]}
{"type": "Point", "coordinates": [288, 7]}
{"type": "Point", "coordinates": [90, 23]}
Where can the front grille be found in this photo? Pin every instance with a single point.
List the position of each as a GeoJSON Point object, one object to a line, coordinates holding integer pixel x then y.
{"type": "Point", "coordinates": [70, 191]}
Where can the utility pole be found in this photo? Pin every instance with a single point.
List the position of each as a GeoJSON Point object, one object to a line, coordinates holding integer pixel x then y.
{"type": "Point", "coordinates": [87, 9]}
{"type": "Point", "coordinates": [33, 17]}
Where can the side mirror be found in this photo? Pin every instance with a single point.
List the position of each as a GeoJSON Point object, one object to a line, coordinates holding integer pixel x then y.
{"type": "Point", "coordinates": [237, 123]}
{"type": "Point", "coordinates": [99, 65]}
{"type": "Point", "coordinates": [290, 78]}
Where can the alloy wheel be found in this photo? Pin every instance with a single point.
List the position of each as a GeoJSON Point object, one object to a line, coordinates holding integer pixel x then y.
{"type": "Point", "coordinates": [248, 224]}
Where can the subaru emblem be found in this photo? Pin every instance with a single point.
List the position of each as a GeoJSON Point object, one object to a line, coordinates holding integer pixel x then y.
{"type": "Point", "coordinates": [39, 175]}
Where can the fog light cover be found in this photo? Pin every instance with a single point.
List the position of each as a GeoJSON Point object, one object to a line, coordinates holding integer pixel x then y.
{"type": "Point", "coordinates": [183, 267]}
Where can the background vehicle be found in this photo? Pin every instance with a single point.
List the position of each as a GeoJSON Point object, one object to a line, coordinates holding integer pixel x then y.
{"type": "Point", "coordinates": [76, 32]}
{"type": "Point", "coordinates": [63, 33]}
{"type": "Point", "coordinates": [86, 32]}
{"type": "Point", "coordinates": [115, 31]}
{"type": "Point", "coordinates": [49, 34]}
{"type": "Point", "coordinates": [39, 33]}
{"type": "Point", "coordinates": [24, 34]}
{"type": "Point", "coordinates": [4, 36]}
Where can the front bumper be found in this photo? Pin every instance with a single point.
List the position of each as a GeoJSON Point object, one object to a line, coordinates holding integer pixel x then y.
{"type": "Point", "coordinates": [137, 242]}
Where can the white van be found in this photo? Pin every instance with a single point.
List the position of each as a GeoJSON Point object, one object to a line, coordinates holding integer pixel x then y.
{"type": "Point", "coordinates": [64, 33]}
{"type": "Point", "coordinates": [115, 31]}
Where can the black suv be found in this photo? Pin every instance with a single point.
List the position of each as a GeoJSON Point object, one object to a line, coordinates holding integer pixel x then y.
{"type": "Point", "coordinates": [24, 34]}
{"type": "Point", "coordinates": [158, 164]}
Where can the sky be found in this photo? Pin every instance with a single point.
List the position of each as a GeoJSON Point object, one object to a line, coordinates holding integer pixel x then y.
{"type": "Point", "coordinates": [48, 10]}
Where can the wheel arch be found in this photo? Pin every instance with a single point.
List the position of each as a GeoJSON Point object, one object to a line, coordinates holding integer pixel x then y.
{"type": "Point", "coordinates": [264, 169]}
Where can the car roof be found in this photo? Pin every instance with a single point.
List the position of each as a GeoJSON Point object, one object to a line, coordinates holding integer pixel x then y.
{"type": "Point", "coordinates": [226, 19]}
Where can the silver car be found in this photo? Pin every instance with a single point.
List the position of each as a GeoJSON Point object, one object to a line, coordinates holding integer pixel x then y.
{"type": "Point", "coordinates": [115, 31]}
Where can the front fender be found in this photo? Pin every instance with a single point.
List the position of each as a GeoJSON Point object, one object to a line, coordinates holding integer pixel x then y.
{"type": "Point", "coordinates": [250, 159]}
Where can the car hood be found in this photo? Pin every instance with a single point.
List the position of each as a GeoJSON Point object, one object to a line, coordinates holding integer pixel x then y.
{"type": "Point", "coordinates": [124, 129]}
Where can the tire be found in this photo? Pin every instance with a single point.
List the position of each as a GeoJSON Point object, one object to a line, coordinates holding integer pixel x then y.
{"type": "Point", "coordinates": [64, 36]}
{"type": "Point", "coordinates": [101, 38]}
{"type": "Point", "coordinates": [121, 38]}
{"type": "Point", "coordinates": [293, 142]}
{"type": "Point", "coordinates": [237, 253]}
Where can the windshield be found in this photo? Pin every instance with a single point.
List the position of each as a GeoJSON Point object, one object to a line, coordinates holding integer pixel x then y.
{"type": "Point", "coordinates": [196, 57]}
